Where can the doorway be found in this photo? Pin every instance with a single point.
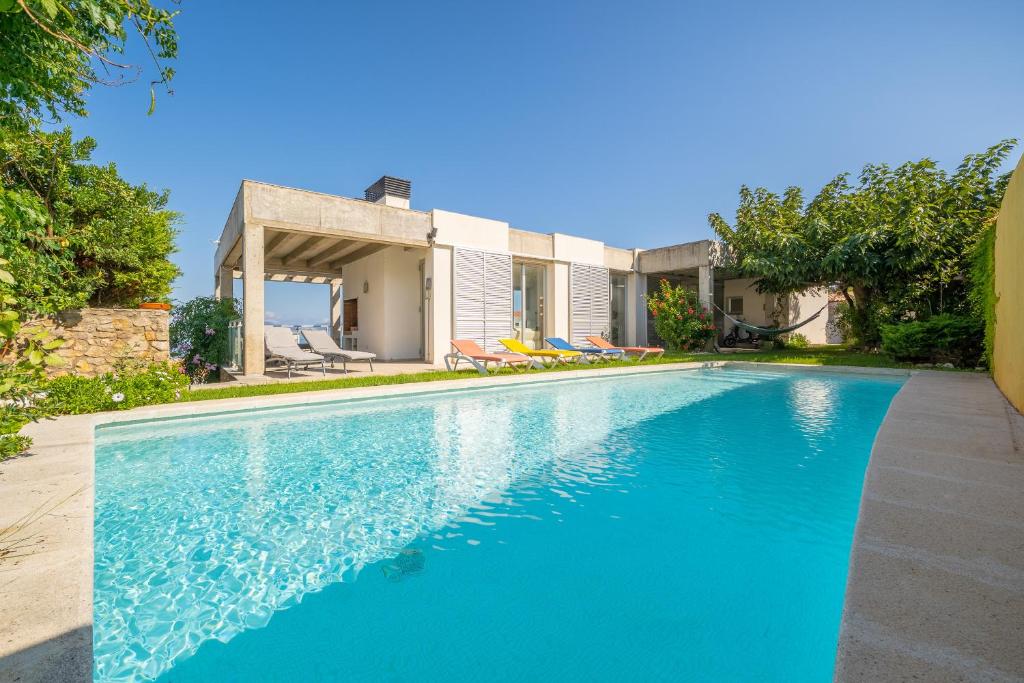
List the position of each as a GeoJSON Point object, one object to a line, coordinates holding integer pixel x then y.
{"type": "Point", "coordinates": [528, 282]}
{"type": "Point", "coordinates": [617, 309]}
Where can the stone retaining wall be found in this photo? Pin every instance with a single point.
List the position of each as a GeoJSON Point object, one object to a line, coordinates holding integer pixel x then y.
{"type": "Point", "coordinates": [95, 339]}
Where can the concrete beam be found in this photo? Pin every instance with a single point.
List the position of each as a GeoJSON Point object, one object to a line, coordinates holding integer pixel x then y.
{"type": "Point", "coordinates": [225, 283]}
{"type": "Point", "coordinates": [252, 302]}
{"type": "Point", "coordinates": [337, 250]}
{"type": "Point", "coordinates": [675, 258]}
{"type": "Point", "coordinates": [274, 240]}
{"type": "Point", "coordinates": [312, 250]}
{"type": "Point", "coordinates": [286, 208]}
{"type": "Point", "coordinates": [303, 246]}
{"type": "Point", "coordinates": [362, 252]}
{"type": "Point", "coordinates": [296, 276]}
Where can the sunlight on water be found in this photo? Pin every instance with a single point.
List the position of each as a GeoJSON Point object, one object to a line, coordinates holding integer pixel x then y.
{"type": "Point", "coordinates": [207, 527]}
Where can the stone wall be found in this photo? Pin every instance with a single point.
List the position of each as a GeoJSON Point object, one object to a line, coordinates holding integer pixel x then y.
{"type": "Point", "coordinates": [95, 339]}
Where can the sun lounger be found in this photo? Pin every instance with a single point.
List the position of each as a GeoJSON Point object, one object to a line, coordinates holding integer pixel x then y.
{"type": "Point", "coordinates": [588, 351]}
{"type": "Point", "coordinates": [640, 351]}
{"type": "Point", "coordinates": [281, 345]}
{"type": "Point", "coordinates": [321, 342]}
{"type": "Point", "coordinates": [469, 351]}
{"type": "Point", "coordinates": [545, 355]}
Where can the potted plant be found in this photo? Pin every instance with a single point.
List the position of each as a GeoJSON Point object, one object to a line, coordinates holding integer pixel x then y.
{"type": "Point", "coordinates": [155, 306]}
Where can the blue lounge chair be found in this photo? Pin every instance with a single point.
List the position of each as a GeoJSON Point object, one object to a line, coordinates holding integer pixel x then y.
{"type": "Point", "coordinates": [593, 352]}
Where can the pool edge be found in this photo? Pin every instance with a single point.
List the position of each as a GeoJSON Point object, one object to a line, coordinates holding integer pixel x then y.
{"type": "Point", "coordinates": [49, 634]}
{"type": "Point", "coordinates": [935, 588]}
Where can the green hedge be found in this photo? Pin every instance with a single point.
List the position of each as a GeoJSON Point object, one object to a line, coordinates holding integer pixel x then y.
{"type": "Point", "coordinates": [947, 338]}
{"type": "Point", "coordinates": [982, 292]}
{"type": "Point", "coordinates": [121, 390]}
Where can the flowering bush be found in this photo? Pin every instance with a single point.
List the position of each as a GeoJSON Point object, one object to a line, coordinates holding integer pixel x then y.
{"type": "Point", "coordinates": [130, 386]}
{"type": "Point", "coordinates": [679, 318]}
{"type": "Point", "coordinates": [199, 334]}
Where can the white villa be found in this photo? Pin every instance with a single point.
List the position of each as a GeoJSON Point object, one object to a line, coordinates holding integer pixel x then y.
{"type": "Point", "coordinates": [403, 282]}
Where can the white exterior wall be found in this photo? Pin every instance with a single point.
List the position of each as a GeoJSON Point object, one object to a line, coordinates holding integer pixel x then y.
{"type": "Point", "coordinates": [756, 307]}
{"type": "Point", "coordinates": [471, 232]}
{"type": "Point", "coordinates": [806, 304]}
{"type": "Point", "coordinates": [389, 316]}
{"type": "Point", "coordinates": [578, 250]}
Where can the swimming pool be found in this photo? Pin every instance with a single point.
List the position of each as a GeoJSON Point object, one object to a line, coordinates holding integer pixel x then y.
{"type": "Point", "coordinates": [679, 525]}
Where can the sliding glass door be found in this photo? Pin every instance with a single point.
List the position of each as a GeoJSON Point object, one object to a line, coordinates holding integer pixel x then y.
{"type": "Point", "coordinates": [528, 303]}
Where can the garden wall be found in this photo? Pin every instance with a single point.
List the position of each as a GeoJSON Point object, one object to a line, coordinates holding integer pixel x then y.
{"type": "Point", "coordinates": [1008, 364]}
{"type": "Point", "coordinates": [95, 339]}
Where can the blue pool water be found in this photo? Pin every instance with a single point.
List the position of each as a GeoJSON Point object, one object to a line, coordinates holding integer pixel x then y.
{"type": "Point", "coordinates": [679, 526]}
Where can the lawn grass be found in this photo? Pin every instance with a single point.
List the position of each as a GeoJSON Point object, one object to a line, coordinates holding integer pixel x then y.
{"type": "Point", "coordinates": [821, 355]}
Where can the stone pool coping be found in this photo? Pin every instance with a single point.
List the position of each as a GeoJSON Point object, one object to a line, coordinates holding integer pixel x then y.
{"type": "Point", "coordinates": [936, 583]}
{"type": "Point", "coordinates": [46, 594]}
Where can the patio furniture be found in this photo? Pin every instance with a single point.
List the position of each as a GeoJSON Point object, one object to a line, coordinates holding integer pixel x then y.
{"type": "Point", "coordinates": [280, 345]}
{"type": "Point", "coordinates": [588, 351]}
{"type": "Point", "coordinates": [545, 355]}
{"type": "Point", "coordinates": [469, 351]}
{"type": "Point", "coordinates": [640, 351]}
{"type": "Point", "coordinates": [320, 342]}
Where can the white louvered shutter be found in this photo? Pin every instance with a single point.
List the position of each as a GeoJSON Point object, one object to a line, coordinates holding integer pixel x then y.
{"type": "Point", "coordinates": [589, 291]}
{"type": "Point", "coordinates": [483, 297]}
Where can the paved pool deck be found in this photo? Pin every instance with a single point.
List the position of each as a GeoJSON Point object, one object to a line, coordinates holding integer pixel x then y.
{"type": "Point", "coordinates": [936, 584]}
{"type": "Point", "coordinates": [937, 577]}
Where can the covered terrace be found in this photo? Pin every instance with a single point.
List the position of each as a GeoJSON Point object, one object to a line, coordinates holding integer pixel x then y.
{"type": "Point", "coordinates": [280, 234]}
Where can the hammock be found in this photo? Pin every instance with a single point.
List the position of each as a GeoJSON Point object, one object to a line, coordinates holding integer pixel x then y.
{"type": "Point", "coordinates": [769, 331]}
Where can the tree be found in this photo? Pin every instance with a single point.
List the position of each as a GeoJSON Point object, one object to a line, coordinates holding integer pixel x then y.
{"type": "Point", "coordinates": [897, 244]}
{"type": "Point", "coordinates": [78, 234]}
{"type": "Point", "coordinates": [54, 51]}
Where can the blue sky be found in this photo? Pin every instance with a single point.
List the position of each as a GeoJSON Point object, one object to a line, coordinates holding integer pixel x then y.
{"type": "Point", "coordinates": [624, 122]}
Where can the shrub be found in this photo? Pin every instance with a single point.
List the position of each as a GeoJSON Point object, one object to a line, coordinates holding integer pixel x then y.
{"type": "Point", "coordinates": [679, 318]}
{"type": "Point", "coordinates": [130, 386]}
{"type": "Point", "coordinates": [941, 339]}
{"type": "Point", "coordinates": [23, 361]}
{"type": "Point", "coordinates": [796, 341]}
{"type": "Point", "coordinates": [199, 334]}
{"type": "Point", "coordinates": [982, 291]}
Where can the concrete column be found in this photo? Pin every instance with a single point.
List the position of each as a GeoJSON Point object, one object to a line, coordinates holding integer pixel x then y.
{"type": "Point", "coordinates": [640, 300]}
{"type": "Point", "coordinates": [252, 301]}
{"type": "Point", "coordinates": [706, 286]}
{"type": "Point", "coordinates": [336, 312]}
{"type": "Point", "coordinates": [558, 307]}
{"type": "Point", "coordinates": [440, 326]}
{"type": "Point", "coordinates": [225, 283]}
{"type": "Point", "coordinates": [630, 321]}
{"type": "Point", "coordinates": [706, 293]}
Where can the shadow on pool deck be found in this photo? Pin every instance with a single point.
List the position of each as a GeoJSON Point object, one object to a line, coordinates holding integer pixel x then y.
{"type": "Point", "coordinates": [67, 657]}
{"type": "Point", "coordinates": [936, 584]}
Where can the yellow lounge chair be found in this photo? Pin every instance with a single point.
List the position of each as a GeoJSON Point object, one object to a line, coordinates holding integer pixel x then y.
{"type": "Point", "coordinates": [546, 355]}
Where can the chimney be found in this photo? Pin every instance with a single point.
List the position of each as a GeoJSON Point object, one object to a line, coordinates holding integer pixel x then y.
{"type": "Point", "coordinates": [390, 192]}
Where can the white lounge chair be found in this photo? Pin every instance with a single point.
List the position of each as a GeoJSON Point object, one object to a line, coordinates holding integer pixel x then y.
{"type": "Point", "coordinates": [320, 342]}
{"type": "Point", "coordinates": [281, 345]}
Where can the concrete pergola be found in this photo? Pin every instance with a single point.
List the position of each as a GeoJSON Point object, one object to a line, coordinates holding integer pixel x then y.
{"type": "Point", "coordinates": [287, 235]}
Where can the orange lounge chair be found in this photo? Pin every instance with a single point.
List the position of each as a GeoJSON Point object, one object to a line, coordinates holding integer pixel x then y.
{"type": "Point", "coordinates": [641, 351]}
{"type": "Point", "coordinates": [469, 351]}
